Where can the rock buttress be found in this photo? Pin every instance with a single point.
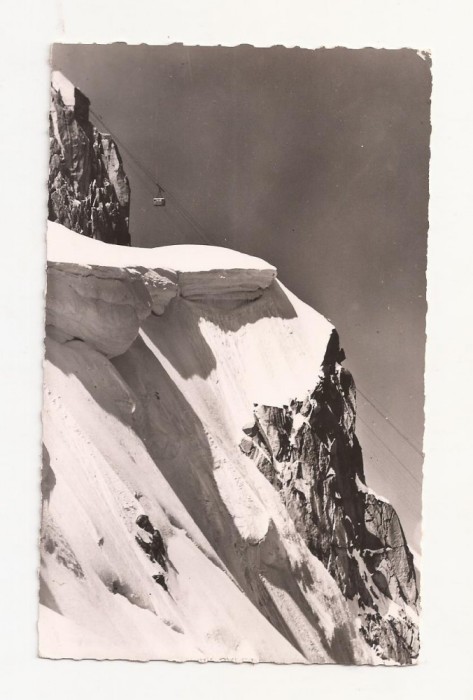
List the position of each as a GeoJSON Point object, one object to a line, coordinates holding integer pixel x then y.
{"type": "Point", "coordinates": [88, 190]}
{"type": "Point", "coordinates": [309, 452]}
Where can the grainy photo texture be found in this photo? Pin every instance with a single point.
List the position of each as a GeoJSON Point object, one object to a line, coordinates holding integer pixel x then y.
{"type": "Point", "coordinates": [235, 336]}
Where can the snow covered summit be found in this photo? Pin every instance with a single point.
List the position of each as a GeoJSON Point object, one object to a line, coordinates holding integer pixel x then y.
{"type": "Point", "coordinates": [203, 487]}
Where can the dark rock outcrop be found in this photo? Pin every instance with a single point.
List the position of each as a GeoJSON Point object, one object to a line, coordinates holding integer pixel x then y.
{"type": "Point", "coordinates": [48, 477]}
{"type": "Point", "coordinates": [310, 453]}
{"type": "Point", "coordinates": [151, 542]}
{"type": "Point", "coordinates": [88, 189]}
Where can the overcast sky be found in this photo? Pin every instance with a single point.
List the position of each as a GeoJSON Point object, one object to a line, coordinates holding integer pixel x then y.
{"type": "Point", "coordinates": [316, 161]}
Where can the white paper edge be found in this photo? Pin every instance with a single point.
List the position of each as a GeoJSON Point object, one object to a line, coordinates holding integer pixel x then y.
{"type": "Point", "coordinates": [444, 30]}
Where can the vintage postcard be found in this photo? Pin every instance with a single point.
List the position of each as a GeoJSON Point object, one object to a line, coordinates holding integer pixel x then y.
{"type": "Point", "coordinates": [234, 366]}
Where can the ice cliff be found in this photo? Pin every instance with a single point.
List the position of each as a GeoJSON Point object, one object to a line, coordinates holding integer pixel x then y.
{"type": "Point", "coordinates": [88, 189]}
{"type": "Point", "coordinates": [203, 486]}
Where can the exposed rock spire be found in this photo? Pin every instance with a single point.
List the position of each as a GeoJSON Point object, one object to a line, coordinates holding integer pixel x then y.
{"type": "Point", "coordinates": [310, 453]}
{"type": "Point", "coordinates": [88, 189]}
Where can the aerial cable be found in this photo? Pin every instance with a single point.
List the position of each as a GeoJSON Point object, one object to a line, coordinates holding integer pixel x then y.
{"type": "Point", "coordinates": [150, 189]}
{"type": "Point", "coordinates": [123, 146]}
{"type": "Point", "coordinates": [390, 422]}
{"type": "Point", "coordinates": [187, 216]}
{"type": "Point", "coordinates": [393, 454]}
{"type": "Point", "coordinates": [175, 220]}
{"type": "Point", "coordinates": [184, 213]}
{"type": "Point", "coordinates": [390, 451]}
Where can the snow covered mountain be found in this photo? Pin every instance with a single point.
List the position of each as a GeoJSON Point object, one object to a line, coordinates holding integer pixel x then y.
{"type": "Point", "coordinates": [203, 486]}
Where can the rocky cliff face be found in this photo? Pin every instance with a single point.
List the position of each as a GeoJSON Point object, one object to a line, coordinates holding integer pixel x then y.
{"type": "Point", "coordinates": [309, 452]}
{"type": "Point", "coordinates": [204, 494]}
{"type": "Point", "coordinates": [88, 189]}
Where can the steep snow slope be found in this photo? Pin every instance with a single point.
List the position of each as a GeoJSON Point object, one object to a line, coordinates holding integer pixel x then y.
{"type": "Point", "coordinates": [161, 536]}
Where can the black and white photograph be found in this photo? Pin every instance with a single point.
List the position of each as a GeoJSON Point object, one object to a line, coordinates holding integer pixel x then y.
{"type": "Point", "coordinates": [235, 334]}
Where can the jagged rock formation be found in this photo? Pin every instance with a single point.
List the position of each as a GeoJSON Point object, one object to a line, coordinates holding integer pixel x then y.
{"type": "Point", "coordinates": [88, 190]}
{"type": "Point", "coordinates": [310, 454]}
{"type": "Point", "coordinates": [204, 488]}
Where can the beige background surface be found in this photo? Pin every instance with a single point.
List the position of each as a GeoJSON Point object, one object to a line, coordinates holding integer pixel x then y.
{"type": "Point", "coordinates": [27, 29]}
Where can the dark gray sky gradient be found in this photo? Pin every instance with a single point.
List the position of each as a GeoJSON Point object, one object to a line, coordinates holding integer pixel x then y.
{"type": "Point", "coordinates": [316, 161]}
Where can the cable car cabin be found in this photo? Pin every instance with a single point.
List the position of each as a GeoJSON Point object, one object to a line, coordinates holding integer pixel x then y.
{"type": "Point", "coordinates": [159, 201]}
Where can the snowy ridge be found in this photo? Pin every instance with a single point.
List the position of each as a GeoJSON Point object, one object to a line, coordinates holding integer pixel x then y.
{"type": "Point", "coordinates": [179, 547]}
{"type": "Point", "coordinates": [201, 270]}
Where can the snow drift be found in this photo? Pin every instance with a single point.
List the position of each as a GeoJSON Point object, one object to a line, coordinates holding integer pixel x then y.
{"type": "Point", "coordinates": [203, 488]}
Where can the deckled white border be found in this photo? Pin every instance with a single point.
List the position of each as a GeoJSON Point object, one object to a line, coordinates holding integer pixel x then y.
{"type": "Point", "coordinates": [28, 27]}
